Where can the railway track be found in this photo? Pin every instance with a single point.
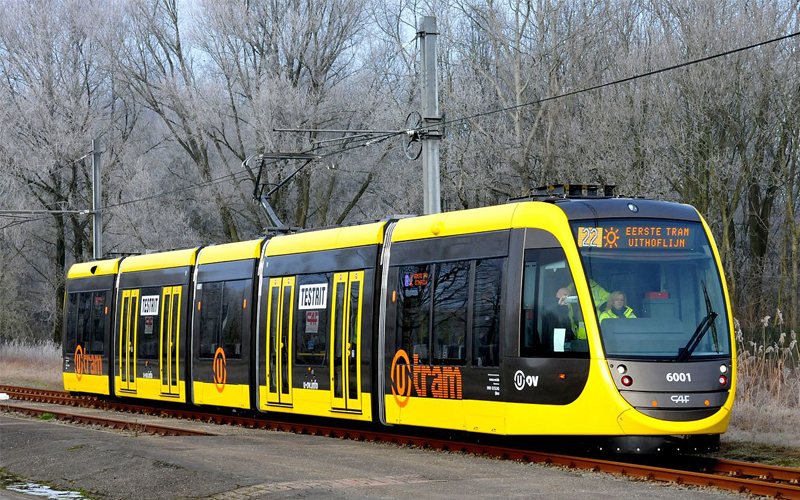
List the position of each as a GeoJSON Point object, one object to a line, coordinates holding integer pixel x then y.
{"type": "Point", "coordinates": [756, 479]}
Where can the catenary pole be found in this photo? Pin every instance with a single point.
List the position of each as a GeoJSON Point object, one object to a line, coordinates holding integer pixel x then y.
{"type": "Point", "coordinates": [431, 135]}
{"type": "Point", "coordinates": [97, 218]}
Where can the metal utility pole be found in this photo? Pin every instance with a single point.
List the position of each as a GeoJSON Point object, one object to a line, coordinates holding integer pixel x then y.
{"type": "Point", "coordinates": [431, 135]}
{"type": "Point", "coordinates": [97, 218]}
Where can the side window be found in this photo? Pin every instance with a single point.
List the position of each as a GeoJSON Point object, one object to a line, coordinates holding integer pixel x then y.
{"type": "Point", "coordinates": [550, 326]}
{"type": "Point", "coordinates": [149, 334]}
{"type": "Point", "coordinates": [312, 319]}
{"type": "Point", "coordinates": [84, 320]}
{"type": "Point", "coordinates": [99, 312]}
{"type": "Point", "coordinates": [413, 310]}
{"type": "Point", "coordinates": [210, 312]}
{"type": "Point", "coordinates": [70, 335]}
{"type": "Point", "coordinates": [451, 296]}
{"type": "Point", "coordinates": [233, 307]}
{"type": "Point", "coordinates": [486, 313]}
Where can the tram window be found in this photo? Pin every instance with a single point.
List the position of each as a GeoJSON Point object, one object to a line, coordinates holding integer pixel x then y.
{"type": "Point", "coordinates": [98, 323]}
{"type": "Point", "coordinates": [84, 320]}
{"type": "Point", "coordinates": [312, 322]}
{"type": "Point", "coordinates": [547, 327]}
{"type": "Point", "coordinates": [486, 313]}
{"type": "Point", "coordinates": [222, 318]}
{"type": "Point", "coordinates": [232, 315]}
{"type": "Point", "coordinates": [210, 311]}
{"type": "Point", "coordinates": [413, 310]}
{"type": "Point", "coordinates": [70, 335]}
{"type": "Point", "coordinates": [149, 320]}
{"type": "Point", "coordinates": [451, 295]}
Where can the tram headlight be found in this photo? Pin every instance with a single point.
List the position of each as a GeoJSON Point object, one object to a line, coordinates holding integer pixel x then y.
{"type": "Point", "coordinates": [621, 369]}
{"type": "Point", "coordinates": [723, 368]}
{"type": "Point", "coordinates": [627, 381]}
{"type": "Point", "coordinates": [723, 380]}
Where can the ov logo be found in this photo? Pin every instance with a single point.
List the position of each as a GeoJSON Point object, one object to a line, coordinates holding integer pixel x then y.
{"type": "Point", "coordinates": [401, 378]}
{"type": "Point", "coordinates": [520, 380]}
{"type": "Point", "coordinates": [220, 369]}
{"type": "Point", "coordinates": [79, 362]}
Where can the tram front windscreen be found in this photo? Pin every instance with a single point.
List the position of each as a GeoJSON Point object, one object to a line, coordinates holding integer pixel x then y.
{"type": "Point", "coordinates": [656, 288]}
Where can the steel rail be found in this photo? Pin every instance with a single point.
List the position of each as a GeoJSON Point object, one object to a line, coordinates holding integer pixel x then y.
{"type": "Point", "coordinates": [125, 425]}
{"type": "Point", "coordinates": [757, 479]}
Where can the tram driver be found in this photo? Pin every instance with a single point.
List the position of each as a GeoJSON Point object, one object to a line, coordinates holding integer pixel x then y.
{"type": "Point", "coordinates": [616, 307]}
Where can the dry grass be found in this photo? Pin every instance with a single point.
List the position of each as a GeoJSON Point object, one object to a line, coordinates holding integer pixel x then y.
{"type": "Point", "coordinates": [31, 365]}
{"type": "Point", "coordinates": [768, 385]}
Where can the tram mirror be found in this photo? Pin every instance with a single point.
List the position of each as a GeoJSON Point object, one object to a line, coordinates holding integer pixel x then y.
{"type": "Point", "coordinates": [555, 266]}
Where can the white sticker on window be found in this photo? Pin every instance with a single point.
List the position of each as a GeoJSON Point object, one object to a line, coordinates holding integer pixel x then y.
{"type": "Point", "coordinates": [313, 296]}
{"type": "Point", "coordinates": [149, 305]}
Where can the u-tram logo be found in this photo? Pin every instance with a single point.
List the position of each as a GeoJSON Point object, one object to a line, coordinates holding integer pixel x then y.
{"type": "Point", "coordinates": [220, 369]}
{"type": "Point", "coordinates": [90, 364]}
{"type": "Point", "coordinates": [79, 363]}
{"type": "Point", "coordinates": [441, 382]}
{"type": "Point", "coordinates": [401, 378]}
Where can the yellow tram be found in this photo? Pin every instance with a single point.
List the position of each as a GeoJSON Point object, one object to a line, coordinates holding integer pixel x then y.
{"type": "Point", "coordinates": [589, 316]}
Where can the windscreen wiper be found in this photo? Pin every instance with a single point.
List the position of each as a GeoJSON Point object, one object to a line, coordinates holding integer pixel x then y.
{"type": "Point", "coordinates": [702, 328]}
{"type": "Point", "coordinates": [709, 310]}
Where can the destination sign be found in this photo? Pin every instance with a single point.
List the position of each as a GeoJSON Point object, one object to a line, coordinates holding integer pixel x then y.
{"type": "Point", "coordinates": [646, 235]}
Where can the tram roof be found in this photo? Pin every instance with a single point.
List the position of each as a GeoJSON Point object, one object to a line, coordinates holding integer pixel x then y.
{"type": "Point", "coordinates": [161, 260]}
{"type": "Point", "coordinates": [326, 239]}
{"type": "Point", "coordinates": [228, 252]}
{"type": "Point", "coordinates": [608, 208]}
{"type": "Point", "coordinates": [94, 268]}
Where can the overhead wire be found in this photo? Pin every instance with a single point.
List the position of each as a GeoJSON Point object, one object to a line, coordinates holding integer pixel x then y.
{"type": "Point", "coordinates": [365, 141]}
{"type": "Point", "coordinates": [362, 142]}
{"type": "Point", "coordinates": [622, 80]}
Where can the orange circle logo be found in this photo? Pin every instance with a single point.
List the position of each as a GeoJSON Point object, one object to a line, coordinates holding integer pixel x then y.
{"type": "Point", "coordinates": [401, 378]}
{"type": "Point", "coordinates": [220, 369]}
{"type": "Point", "coordinates": [79, 362]}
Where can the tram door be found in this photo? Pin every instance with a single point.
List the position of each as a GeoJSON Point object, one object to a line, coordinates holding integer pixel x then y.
{"type": "Point", "coordinates": [170, 340]}
{"type": "Point", "coordinates": [345, 342]}
{"type": "Point", "coordinates": [129, 322]}
{"type": "Point", "coordinates": [280, 314]}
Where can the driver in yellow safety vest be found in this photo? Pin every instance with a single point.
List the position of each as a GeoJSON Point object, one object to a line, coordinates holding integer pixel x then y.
{"type": "Point", "coordinates": [599, 295]}
{"type": "Point", "coordinates": [616, 307]}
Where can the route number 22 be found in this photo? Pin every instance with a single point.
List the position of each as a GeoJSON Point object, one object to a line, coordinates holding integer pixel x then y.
{"type": "Point", "coordinates": [590, 237]}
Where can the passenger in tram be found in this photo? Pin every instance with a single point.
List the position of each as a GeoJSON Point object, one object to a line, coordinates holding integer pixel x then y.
{"type": "Point", "coordinates": [599, 295]}
{"type": "Point", "coordinates": [617, 307]}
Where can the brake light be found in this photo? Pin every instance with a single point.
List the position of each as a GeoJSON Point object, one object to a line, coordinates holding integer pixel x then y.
{"type": "Point", "coordinates": [627, 381]}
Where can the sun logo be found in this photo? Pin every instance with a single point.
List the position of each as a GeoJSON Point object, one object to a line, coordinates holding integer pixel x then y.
{"type": "Point", "coordinates": [611, 236]}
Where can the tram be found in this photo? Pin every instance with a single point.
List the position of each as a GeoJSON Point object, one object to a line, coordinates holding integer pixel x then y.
{"type": "Point", "coordinates": [558, 315]}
